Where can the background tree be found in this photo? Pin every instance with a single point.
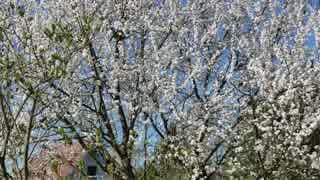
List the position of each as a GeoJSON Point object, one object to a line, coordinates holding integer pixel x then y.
{"type": "Point", "coordinates": [278, 137]}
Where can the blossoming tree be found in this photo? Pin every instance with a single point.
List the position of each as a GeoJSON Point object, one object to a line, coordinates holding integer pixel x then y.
{"type": "Point", "coordinates": [217, 88]}
{"type": "Point", "coordinates": [279, 135]}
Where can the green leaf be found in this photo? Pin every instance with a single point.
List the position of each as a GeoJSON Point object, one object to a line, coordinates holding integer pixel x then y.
{"type": "Point", "coordinates": [134, 134]}
{"type": "Point", "coordinates": [61, 131]}
{"type": "Point", "coordinates": [28, 84]}
{"type": "Point", "coordinates": [131, 146]}
{"type": "Point", "coordinates": [48, 33]}
{"type": "Point", "coordinates": [57, 72]}
{"type": "Point", "coordinates": [98, 135]}
{"type": "Point", "coordinates": [91, 148]}
{"type": "Point", "coordinates": [67, 140]}
{"type": "Point", "coordinates": [26, 35]}
{"type": "Point", "coordinates": [60, 25]}
{"type": "Point", "coordinates": [56, 56]}
{"type": "Point", "coordinates": [54, 165]}
{"type": "Point", "coordinates": [1, 36]}
{"type": "Point", "coordinates": [146, 142]}
{"type": "Point", "coordinates": [53, 27]}
{"type": "Point", "coordinates": [52, 72]}
{"type": "Point", "coordinates": [98, 82]}
{"type": "Point", "coordinates": [58, 37]}
{"type": "Point", "coordinates": [17, 76]}
{"type": "Point", "coordinates": [99, 145]}
{"type": "Point", "coordinates": [21, 11]}
{"type": "Point", "coordinates": [109, 169]}
{"type": "Point", "coordinates": [69, 40]}
{"type": "Point", "coordinates": [81, 164]}
{"type": "Point", "coordinates": [107, 157]}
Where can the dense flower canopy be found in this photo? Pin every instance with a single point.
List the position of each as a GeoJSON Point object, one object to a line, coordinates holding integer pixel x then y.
{"type": "Point", "coordinates": [226, 88]}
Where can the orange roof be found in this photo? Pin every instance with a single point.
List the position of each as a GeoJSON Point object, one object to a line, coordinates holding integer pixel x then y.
{"type": "Point", "coordinates": [66, 155]}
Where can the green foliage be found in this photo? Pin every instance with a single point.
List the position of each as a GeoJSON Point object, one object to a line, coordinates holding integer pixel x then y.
{"type": "Point", "coordinates": [59, 33]}
{"type": "Point", "coordinates": [81, 164]}
{"type": "Point", "coordinates": [68, 39]}
{"type": "Point", "coordinates": [133, 133]}
{"type": "Point", "coordinates": [99, 138]}
{"type": "Point", "coordinates": [107, 158]}
{"type": "Point", "coordinates": [61, 131]}
{"type": "Point", "coordinates": [131, 146]}
{"type": "Point", "coordinates": [1, 35]}
{"type": "Point", "coordinates": [48, 33]}
{"type": "Point", "coordinates": [109, 169]}
{"type": "Point", "coordinates": [91, 148]}
{"type": "Point", "coordinates": [53, 27]}
{"type": "Point", "coordinates": [21, 11]}
{"type": "Point", "coordinates": [87, 24]}
{"type": "Point", "coordinates": [65, 137]}
{"type": "Point", "coordinates": [157, 171]}
{"type": "Point", "coordinates": [146, 142]}
{"type": "Point", "coordinates": [26, 35]}
{"type": "Point", "coordinates": [67, 140]}
{"type": "Point", "coordinates": [98, 83]}
{"type": "Point", "coordinates": [69, 178]}
{"type": "Point", "coordinates": [54, 165]}
{"type": "Point", "coordinates": [56, 56]}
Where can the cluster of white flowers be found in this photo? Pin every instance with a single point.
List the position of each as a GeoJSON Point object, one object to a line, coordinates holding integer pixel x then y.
{"type": "Point", "coordinates": [230, 86]}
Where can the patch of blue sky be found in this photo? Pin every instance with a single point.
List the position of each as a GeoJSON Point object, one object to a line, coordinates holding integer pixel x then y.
{"type": "Point", "coordinates": [126, 45]}
{"type": "Point", "coordinates": [132, 52]}
{"type": "Point", "coordinates": [183, 3]}
{"type": "Point", "coordinates": [316, 54]}
{"type": "Point", "coordinates": [188, 86]}
{"type": "Point", "coordinates": [158, 3]}
{"type": "Point", "coordinates": [311, 47]}
{"type": "Point", "coordinates": [279, 8]}
{"type": "Point", "coordinates": [224, 61]}
{"type": "Point", "coordinates": [291, 39]}
{"type": "Point", "coordinates": [247, 26]}
{"type": "Point", "coordinates": [45, 12]}
{"type": "Point", "coordinates": [159, 123]}
{"type": "Point", "coordinates": [209, 80]}
{"type": "Point", "coordinates": [117, 124]}
{"type": "Point", "coordinates": [276, 61]}
{"type": "Point", "coordinates": [34, 11]}
{"type": "Point", "coordinates": [85, 68]}
{"type": "Point", "coordinates": [179, 100]}
{"type": "Point", "coordinates": [220, 153]}
{"type": "Point", "coordinates": [306, 17]}
{"type": "Point", "coordinates": [314, 4]}
{"type": "Point", "coordinates": [40, 9]}
{"type": "Point", "coordinates": [137, 43]}
{"type": "Point", "coordinates": [187, 105]}
{"type": "Point", "coordinates": [16, 45]}
{"type": "Point", "coordinates": [221, 31]}
{"type": "Point", "coordinates": [180, 77]}
{"type": "Point", "coordinates": [209, 83]}
{"type": "Point", "coordinates": [210, 87]}
{"type": "Point", "coordinates": [153, 140]}
{"type": "Point", "coordinates": [310, 40]}
{"type": "Point", "coordinates": [200, 88]}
